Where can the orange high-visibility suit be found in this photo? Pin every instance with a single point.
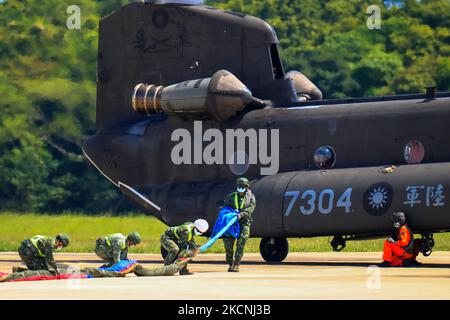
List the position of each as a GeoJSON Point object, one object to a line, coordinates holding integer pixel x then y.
{"type": "Point", "coordinates": [403, 249]}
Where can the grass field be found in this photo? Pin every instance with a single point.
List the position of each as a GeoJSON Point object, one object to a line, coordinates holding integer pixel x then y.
{"type": "Point", "coordinates": [84, 230]}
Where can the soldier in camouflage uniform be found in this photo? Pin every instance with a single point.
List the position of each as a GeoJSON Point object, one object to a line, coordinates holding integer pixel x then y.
{"type": "Point", "coordinates": [243, 201]}
{"type": "Point", "coordinates": [181, 238]}
{"type": "Point", "coordinates": [114, 248]}
{"type": "Point", "coordinates": [37, 252]}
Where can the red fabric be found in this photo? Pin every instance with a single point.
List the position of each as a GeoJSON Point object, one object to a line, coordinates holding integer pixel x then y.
{"type": "Point", "coordinates": [59, 277]}
{"type": "Point", "coordinates": [395, 254]}
{"type": "Point", "coordinates": [404, 236]}
{"type": "Point", "coordinates": [129, 269]}
{"type": "Point", "coordinates": [3, 276]}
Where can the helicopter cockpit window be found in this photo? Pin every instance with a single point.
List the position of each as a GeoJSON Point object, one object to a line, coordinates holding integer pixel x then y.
{"type": "Point", "coordinates": [325, 157]}
{"type": "Point", "coordinates": [414, 152]}
{"type": "Point", "coordinates": [277, 64]}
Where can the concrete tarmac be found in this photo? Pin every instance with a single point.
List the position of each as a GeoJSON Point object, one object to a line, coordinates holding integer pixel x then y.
{"type": "Point", "coordinates": [344, 275]}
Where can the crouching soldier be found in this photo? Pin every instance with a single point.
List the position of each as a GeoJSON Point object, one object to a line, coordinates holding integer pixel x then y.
{"type": "Point", "coordinates": [181, 238]}
{"type": "Point", "coordinates": [400, 249]}
{"type": "Point", "coordinates": [244, 202]}
{"type": "Point", "coordinates": [37, 252]}
{"type": "Point", "coordinates": [114, 248]}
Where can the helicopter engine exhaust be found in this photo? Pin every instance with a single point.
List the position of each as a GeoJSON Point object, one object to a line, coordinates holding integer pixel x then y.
{"type": "Point", "coordinates": [306, 90]}
{"type": "Point", "coordinates": [220, 97]}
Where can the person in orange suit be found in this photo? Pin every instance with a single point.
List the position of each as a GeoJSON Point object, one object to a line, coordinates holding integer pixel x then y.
{"type": "Point", "coordinates": [400, 249]}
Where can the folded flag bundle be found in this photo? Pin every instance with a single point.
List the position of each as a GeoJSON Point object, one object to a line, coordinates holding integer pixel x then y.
{"type": "Point", "coordinates": [226, 226]}
{"type": "Point", "coordinates": [124, 266]}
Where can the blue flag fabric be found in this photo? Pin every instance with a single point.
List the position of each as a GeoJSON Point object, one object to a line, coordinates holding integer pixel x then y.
{"type": "Point", "coordinates": [226, 225]}
{"type": "Point", "coordinates": [225, 216]}
{"type": "Point", "coordinates": [121, 266]}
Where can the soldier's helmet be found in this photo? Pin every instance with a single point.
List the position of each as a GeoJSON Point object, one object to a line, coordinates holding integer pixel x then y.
{"type": "Point", "coordinates": [201, 225]}
{"type": "Point", "coordinates": [242, 182]}
{"type": "Point", "coordinates": [64, 238]}
{"type": "Point", "coordinates": [135, 238]}
{"type": "Point", "coordinates": [399, 219]}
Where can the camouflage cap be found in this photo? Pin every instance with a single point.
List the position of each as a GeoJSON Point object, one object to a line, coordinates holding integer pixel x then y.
{"type": "Point", "coordinates": [64, 238]}
{"type": "Point", "coordinates": [242, 182]}
{"type": "Point", "coordinates": [134, 237]}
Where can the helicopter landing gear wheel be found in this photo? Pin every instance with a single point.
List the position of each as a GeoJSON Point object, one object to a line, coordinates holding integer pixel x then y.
{"type": "Point", "coordinates": [338, 243]}
{"type": "Point", "coordinates": [427, 244]}
{"type": "Point", "coordinates": [274, 249]}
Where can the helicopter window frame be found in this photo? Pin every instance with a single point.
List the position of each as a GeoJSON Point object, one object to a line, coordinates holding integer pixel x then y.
{"type": "Point", "coordinates": [239, 169]}
{"type": "Point", "coordinates": [333, 151]}
{"type": "Point", "coordinates": [278, 72]}
{"type": "Point", "coordinates": [408, 149]}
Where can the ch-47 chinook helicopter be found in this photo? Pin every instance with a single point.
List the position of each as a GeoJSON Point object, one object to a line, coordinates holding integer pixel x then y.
{"type": "Point", "coordinates": [177, 75]}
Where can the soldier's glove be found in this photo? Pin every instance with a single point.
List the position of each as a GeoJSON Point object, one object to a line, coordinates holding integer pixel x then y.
{"type": "Point", "coordinates": [239, 216]}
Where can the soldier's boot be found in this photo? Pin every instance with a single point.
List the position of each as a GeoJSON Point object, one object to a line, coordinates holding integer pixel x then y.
{"type": "Point", "coordinates": [236, 267]}
{"type": "Point", "coordinates": [231, 267]}
{"type": "Point", "coordinates": [107, 265]}
{"type": "Point", "coordinates": [411, 263]}
{"type": "Point", "coordinates": [384, 264]}
{"type": "Point", "coordinates": [414, 262]}
{"type": "Point", "coordinates": [185, 272]}
{"type": "Point", "coordinates": [18, 269]}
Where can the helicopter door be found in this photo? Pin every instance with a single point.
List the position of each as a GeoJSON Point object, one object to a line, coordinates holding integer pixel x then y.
{"type": "Point", "coordinates": [268, 216]}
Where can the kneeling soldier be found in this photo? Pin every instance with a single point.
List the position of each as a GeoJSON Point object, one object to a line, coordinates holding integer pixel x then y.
{"type": "Point", "coordinates": [180, 238]}
{"type": "Point", "coordinates": [114, 248]}
{"type": "Point", "coordinates": [37, 252]}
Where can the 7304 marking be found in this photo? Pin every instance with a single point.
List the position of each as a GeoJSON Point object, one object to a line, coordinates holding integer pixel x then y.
{"type": "Point", "coordinates": [323, 201]}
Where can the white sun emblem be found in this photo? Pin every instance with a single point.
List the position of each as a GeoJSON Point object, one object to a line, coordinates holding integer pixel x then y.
{"type": "Point", "coordinates": [378, 198]}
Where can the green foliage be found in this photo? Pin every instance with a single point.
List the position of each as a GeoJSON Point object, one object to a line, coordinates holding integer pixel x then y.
{"type": "Point", "coordinates": [48, 108]}
{"type": "Point", "coordinates": [329, 41]}
{"type": "Point", "coordinates": [48, 79]}
{"type": "Point", "coordinates": [83, 230]}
